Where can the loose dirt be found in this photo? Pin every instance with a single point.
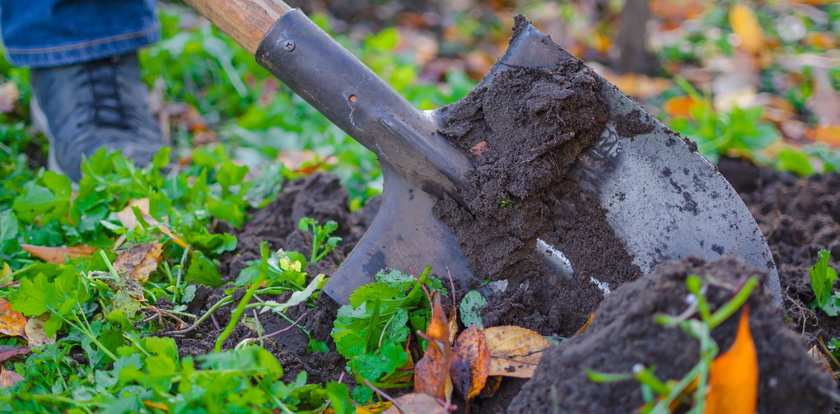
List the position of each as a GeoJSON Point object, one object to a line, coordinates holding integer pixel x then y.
{"type": "Point", "coordinates": [523, 131]}
{"type": "Point", "coordinates": [318, 196]}
{"type": "Point", "coordinates": [624, 334]}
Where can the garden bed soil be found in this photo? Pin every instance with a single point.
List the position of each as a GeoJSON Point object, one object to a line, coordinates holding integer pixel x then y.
{"type": "Point", "coordinates": [624, 333]}
{"type": "Point", "coordinates": [319, 196]}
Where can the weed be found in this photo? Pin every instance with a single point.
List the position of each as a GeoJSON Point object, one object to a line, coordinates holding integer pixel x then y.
{"type": "Point", "coordinates": [322, 242]}
{"type": "Point", "coordinates": [660, 395]}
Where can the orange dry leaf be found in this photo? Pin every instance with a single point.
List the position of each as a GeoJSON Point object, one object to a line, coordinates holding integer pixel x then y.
{"type": "Point", "coordinates": [733, 378]}
{"type": "Point", "coordinates": [586, 325]}
{"type": "Point", "coordinates": [58, 255]}
{"type": "Point", "coordinates": [431, 373]}
{"type": "Point", "coordinates": [12, 323]}
{"type": "Point", "coordinates": [373, 408]}
{"type": "Point", "coordinates": [746, 26]}
{"type": "Point", "coordinates": [139, 261]}
{"type": "Point", "coordinates": [155, 405]}
{"type": "Point", "coordinates": [514, 351]}
{"type": "Point", "coordinates": [680, 106]}
{"type": "Point", "coordinates": [470, 363]}
{"type": "Point", "coordinates": [829, 134]}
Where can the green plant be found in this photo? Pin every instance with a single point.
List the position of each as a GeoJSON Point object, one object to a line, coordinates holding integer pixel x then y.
{"type": "Point", "coordinates": [322, 242]}
{"type": "Point", "coordinates": [374, 329]}
{"type": "Point", "coordinates": [822, 283]}
{"type": "Point", "coordinates": [739, 132]}
{"type": "Point", "coordinates": [697, 321]}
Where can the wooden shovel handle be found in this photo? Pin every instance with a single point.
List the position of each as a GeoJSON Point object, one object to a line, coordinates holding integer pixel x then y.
{"type": "Point", "coordinates": [245, 21]}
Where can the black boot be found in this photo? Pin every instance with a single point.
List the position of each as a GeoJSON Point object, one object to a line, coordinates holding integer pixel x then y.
{"type": "Point", "coordinates": [84, 107]}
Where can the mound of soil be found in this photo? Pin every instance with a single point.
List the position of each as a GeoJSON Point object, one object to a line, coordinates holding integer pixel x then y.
{"type": "Point", "coordinates": [321, 197]}
{"type": "Point", "coordinates": [523, 131]}
{"type": "Point", "coordinates": [799, 217]}
{"type": "Point", "coordinates": [624, 334]}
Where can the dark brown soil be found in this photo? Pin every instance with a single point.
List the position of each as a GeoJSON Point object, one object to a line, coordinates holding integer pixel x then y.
{"type": "Point", "coordinates": [318, 196]}
{"type": "Point", "coordinates": [799, 217]}
{"type": "Point", "coordinates": [624, 334]}
{"type": "Point", "coordinates": [523, 132]}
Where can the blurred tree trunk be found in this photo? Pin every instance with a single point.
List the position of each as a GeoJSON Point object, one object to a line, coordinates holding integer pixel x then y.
{"type": "Point", "coordinates": [633, 55]}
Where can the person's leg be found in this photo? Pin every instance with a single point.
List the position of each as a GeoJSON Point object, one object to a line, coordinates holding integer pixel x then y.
{"type": "Point", "coordinates": [86, 87]}
{"type": "Point", "coordinates": [46, 33]}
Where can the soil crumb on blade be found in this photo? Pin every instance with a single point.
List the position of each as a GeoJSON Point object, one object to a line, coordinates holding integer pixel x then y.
{"type": "Point", "coordinates": [624, 334]}
{"type": "Point", "coordinates": [524, 131]}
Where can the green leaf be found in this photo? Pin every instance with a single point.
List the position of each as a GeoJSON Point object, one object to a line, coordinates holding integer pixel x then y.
{"type": "Point", "coordinates": [33, 296]}
{"type": "Point", "coordinates": [373, 291]}
{"type": "Point", "coordinates": [203, 270]}
{"type": "Point", "coordinates": [794, 161]}
{"type": "Point", "coordinates": [161, 159]}
{"type": "Point", "coordinates": [470, 309]}
{"type": "Point", "coordinates": [340, 398]}
{"type": "Point", "coordinates": [231, 174]}
{"type": "Point", "coordinates": [822, 283]}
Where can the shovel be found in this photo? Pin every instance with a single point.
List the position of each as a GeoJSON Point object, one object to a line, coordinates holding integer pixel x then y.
{"type": "Point", "coordinates": [673, 203]}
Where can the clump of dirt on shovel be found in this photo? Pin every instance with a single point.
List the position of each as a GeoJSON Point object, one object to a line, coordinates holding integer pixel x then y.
{"type": "Point", "coordinates": [523, 132]}
{"type": "Point", "coordinates": [319, 196]}
{"type": "Point", "coordinates": [624, 334]}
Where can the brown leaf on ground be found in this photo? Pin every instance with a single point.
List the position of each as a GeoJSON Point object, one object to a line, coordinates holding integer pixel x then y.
{"type": "Point", "coordinates": [35, 334]}
{"type": "Point", "coordinates": [470, 363]}
{"type": "Point", "coordinates": [417, 403]}
{"type": "Point", "coordinates": [9, 378]}
{"type": "Point", "coordinates": [825, 101]}
{"type": "Point", "coordinates": [9, 95]}
{"type": "Point", "coordinates": [9, 352]}
{"type": "Point", "coordinates": [514, 351]}
{"type": "Point", "coordinates": [58, 255]}
{"type": "Point", "coordinates": [431, 373]}
{"type": "Point", "coordinates": [12, 323]}
{"type": "Point", "coordinates": [139, 261]}
{"type": "Point", "coordinates": [733, 377]}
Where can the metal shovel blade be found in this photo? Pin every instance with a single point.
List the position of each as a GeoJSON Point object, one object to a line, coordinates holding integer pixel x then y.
{"type": "Point", "coordinates": [663, 200]}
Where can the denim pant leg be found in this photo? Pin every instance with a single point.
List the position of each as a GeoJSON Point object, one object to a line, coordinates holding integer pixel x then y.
{"type": "Point", "coordinates": [42, 33]}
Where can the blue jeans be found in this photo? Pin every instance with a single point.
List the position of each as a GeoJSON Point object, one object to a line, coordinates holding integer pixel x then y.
{"type": "Point", "coordinates": [42, 33]}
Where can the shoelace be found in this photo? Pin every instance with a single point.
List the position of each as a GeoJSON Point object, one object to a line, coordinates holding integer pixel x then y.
{"type": "Point", "coordinates": [108, 109]}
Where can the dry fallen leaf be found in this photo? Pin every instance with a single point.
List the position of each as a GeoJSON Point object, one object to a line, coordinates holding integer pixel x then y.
{"type": "Point", "coordinates": [9, 352]}
{"type": "Point", "coordinates": [35, 334]}
{"type": "Point", "coordinates": [58, 255]}
{"type": "Point", "coordinates": [746, 26]}
{"type": "Point", "coordinates": [829, 134]}
{"type": "Point", "coordinates": [9, 95]}
{"type": "Point", "coordinates": [470, 363]}
{"type": "Point", "coordinates": [586, 325]}
{"type": "Point", "coordinates": [417, 403]}
{"type": "Point", "coordinates": [514, 351]}
{"type": "Point", "coordinates": [12, 323]}
{"type": "Point", "coordinates": [820, 358]}
{"type": "Point", "coordinates": [9, 378]}
{"type": "Point", "coordinates": [431, 373]}
{"type": "Point", "coordinates": [825, 101]}
{"type": "Point", "coordinates": [139, 261]}
{"type": "Point", "coordinates": [733, 378]}
{"type": "Point", "coordinates": [373, 408]}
